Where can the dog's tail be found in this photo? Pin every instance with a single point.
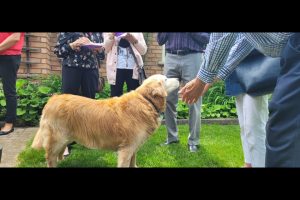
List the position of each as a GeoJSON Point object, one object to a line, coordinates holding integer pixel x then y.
{"type": "Point", "coordinates": [38, 140]}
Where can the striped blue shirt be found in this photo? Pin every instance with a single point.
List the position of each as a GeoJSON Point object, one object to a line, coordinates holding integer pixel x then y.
{"type": "Point", "coordinates": [239, 45]}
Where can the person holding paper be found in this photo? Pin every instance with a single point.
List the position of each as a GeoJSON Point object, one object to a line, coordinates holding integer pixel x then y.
{"type": "Point", "coordinates": [80, 70]}
{"type": "Point", "coordinates": [79, 64]}
{"type": "Point", "coordinates": [120, 64]}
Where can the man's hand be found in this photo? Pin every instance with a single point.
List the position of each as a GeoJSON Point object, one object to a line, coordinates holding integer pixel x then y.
{"type": "Point", "coordinates": [192, 91]}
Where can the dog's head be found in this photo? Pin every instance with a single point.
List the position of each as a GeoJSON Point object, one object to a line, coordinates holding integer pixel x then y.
{"type": "Point", "coordinates": [156, 88]}
{"type": "Point", "coordinates": [170, 84]}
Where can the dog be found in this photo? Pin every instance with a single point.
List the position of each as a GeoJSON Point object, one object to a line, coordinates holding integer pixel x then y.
{"type": "Point", "coordinates": [120, 124]}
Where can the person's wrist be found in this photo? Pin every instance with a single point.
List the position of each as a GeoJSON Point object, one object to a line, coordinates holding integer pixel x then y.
{"type": "Point", "coordinates": [200, 84]}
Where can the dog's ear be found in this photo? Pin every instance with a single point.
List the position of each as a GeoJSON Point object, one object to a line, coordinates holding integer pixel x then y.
{"type": "Point", "coordinates": [159, 90]}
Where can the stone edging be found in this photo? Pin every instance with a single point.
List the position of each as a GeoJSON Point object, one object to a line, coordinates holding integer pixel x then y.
{"type": "Point", "coordinates": [221, 121]}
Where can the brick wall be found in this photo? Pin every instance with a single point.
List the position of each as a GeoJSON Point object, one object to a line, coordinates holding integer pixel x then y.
{"type": "Point", "coordinates": [44, 61]}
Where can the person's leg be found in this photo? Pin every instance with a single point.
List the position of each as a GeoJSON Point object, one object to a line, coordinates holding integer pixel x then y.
{"type": "Point", "coordinates": [283, 127]}
{"type": "Point", "coordinates": [117, 89]}
{"type": "Point", "coordinates": [131, 83]}
{"type": "Point", "coordinates": [171, 70]}
{"type": "Point", "coordinates": [89, 83]}
{"type": "Point", "coordinates": [9, 67]}
{"type": "Point", "coordinates": [71, 80]}
{"type": "Point", "coordinates": [255, 119]}
{"type": "Point", "coordinates": [240, 112]}
{"type": "Point", "coordinates": [190, 66]}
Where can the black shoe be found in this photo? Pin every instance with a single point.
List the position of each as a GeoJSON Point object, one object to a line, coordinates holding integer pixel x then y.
{"type": "Point", "coordinates": [6, 132]}
{"type": "Point", "coordinates": [172, 142]}
{"type": "Point", "coordinates": [193, 148]}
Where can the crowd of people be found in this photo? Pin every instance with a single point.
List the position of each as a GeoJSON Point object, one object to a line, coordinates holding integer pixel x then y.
{"type": "Point", "coordinates": [269, 131]}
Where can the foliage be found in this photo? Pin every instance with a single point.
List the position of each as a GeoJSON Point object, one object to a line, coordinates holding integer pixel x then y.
{"type": "Point", "coordinates": [32, 95]}
{"type": "Point", "coordinates": [214, 104]}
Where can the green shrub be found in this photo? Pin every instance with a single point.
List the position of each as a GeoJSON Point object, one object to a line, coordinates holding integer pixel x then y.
{"type": "Point", "coordinates": [32, 94]}
{"type": "Point", "coordinates": [215, 104]}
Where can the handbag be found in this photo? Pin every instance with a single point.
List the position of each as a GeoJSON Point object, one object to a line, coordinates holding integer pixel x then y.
{"type": "Point", "coordinates": [141, 70]}
{"type": "Point", "coordinates": [257, 73]}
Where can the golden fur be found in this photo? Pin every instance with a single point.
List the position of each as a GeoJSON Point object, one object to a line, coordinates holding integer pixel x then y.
{"type": "Point", "coordinates": [120, 123]}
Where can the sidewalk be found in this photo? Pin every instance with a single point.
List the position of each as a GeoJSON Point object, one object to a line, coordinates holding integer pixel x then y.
{"type": "Point", "coordinates": [13, 144]}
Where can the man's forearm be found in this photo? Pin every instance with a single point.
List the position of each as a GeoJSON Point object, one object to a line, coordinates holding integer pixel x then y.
{"type": "Point", "coordinates": [216, 55]}
{"type": "Point", "coordinates": [10, 41]}
{"type": "Point", "coordinates": [238, 52]}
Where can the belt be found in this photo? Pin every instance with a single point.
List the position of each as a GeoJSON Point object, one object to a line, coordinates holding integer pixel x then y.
{"type": "Point", "coordinates": [182, 52]}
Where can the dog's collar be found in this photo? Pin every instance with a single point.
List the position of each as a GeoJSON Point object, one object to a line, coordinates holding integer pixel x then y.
{"type": "Point", "coordinates": [157, 110]}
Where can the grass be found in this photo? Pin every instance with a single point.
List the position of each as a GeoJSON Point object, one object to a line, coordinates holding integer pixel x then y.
{"type": "Point", "coordinates": [220, 146]}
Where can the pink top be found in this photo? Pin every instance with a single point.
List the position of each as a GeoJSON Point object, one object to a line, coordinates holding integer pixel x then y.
{"type": "Point", "coordinates": [14, 50]}
{"type": "Point", "coordinates": [111, 46]}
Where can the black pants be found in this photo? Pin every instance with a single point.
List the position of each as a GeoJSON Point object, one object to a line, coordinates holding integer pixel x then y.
{"type": "Point", "coordinates": [283, 128]}
{"type": "Point", "coordinates": [123, 75]}
{"type": "Point", "coordinates": [9, 65]}
{"type": "Point", "coordinates": [79, 81]}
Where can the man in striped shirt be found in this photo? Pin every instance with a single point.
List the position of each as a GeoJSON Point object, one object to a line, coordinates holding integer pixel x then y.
{"type": "Point", "coordinates": [283, 137]}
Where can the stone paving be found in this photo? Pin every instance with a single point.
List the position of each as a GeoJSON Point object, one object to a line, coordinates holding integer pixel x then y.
{"type": "Point", "coordinates": [13, 144]}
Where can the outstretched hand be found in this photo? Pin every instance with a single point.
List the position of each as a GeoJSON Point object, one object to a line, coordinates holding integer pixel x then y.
{"type": "Point", "coordinates": [192, 91]}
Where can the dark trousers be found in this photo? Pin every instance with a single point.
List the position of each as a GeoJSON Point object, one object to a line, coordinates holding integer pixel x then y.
{"type": "Point", "coordinates": [123, 75]}
{"type": "Point", "coordinates": [9, 65]}
{"type": "Point", "coordinates": [77, 81]}
{"type": "Point", "coordinates": [283, 128]}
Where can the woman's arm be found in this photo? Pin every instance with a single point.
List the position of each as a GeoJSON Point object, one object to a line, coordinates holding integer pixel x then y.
{"type": "Point", "coordinates": [139, 42]}
{"type": "Point", "coordinates": [10, 41]}
{"type": "Point", "coordinates": [64, 47]}
{"type": "Point", "coordinates": [109, 40]}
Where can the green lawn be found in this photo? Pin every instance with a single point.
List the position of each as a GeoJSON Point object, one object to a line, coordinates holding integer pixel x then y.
{"type": "Point", "coordinates": [220, 146]}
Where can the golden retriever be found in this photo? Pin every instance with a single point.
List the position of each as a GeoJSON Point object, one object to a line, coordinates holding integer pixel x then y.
{"type": "Point", "coordinates": [121, 123]}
